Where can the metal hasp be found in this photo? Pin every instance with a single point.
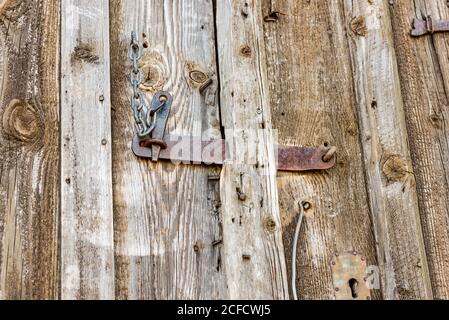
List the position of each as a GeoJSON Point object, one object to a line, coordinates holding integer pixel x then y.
{"type": "Point", "coordinates": [192, 150]}
{"type": "Point", "coordinates": [428, 26]}
{"type": "Point", "coordinates": [349, 272]}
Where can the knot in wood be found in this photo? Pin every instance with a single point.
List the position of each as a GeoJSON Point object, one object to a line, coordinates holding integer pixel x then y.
{"type": "Point", "coordinates": [85, 53]}
{"type": "Point", "coordinates": [198, 76]}
{"type": "Point", "coordinates": [152, 77]}
{"type": "Point", "coordinates": [436, 120]}
{"type": "Point", "coordinates": [21, 122]}
{"type": "Point", "coordinates": [7, 5]}
{"type": "Point", "coordinates": [246, 51]}
{"type": "Point", "coordinates": [395, 168]}
{"type": "Point", "coordinates": [270, 225]}
{"type": "Point", "coordinates": [154, 71]}
{"type": "Point", "coordinates": [358, 26]}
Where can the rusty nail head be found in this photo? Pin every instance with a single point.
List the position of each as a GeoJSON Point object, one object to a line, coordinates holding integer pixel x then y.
{"type": "Point", "coordinates": [101, 98]}
{"type": "Point", "coordinates": [246, 257]}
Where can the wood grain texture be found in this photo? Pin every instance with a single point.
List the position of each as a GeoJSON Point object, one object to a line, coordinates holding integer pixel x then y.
{"type": "Point", "coordinates": [390, 180]}
{"type": "Point", "coordinates": [313, 104]}
{"type": "Point", "coordinates": [424, 73]}
{"type": "Point", "coordinates": [167, 216]}
{"type": "Point", "coordinates": [253, 252]}
{"type": "Point", "coordinates": [29, 149]}
{"type": "Point", "coordinates": [87, 246]}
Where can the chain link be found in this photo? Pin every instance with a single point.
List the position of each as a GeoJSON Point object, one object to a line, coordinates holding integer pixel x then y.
{"type": "Point", "coordinates": [144, 116]}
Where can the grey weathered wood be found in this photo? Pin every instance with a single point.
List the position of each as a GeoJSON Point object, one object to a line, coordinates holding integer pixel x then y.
{"type": "Point", "coordinates": [390, 180]}
{"type": "Point", "coordinates": [87, 246]}
{"type": "Point", "coordinates": [313, 104]}
{"type": "Point", "coordinates": [253, 252]}
{"type": "Point", "coordinates": [29, 149]}
{"type": "Point", "coordinates": [167, 217]}
{"type": "Point", "coordinates": [424, 73]}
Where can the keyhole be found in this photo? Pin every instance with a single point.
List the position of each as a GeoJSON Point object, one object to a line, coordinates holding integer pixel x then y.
{"type": "Point", "coordinates": [354, 285]}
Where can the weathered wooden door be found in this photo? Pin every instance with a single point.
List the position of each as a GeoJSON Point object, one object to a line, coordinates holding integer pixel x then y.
{"type": "Point", "coordinates": [81, 217]}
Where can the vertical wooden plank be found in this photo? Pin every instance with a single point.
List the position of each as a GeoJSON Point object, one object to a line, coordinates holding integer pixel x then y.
{"type": "Point", "coordinates": [87, 256]}
{"type": "Point", "coordinates": [29, 149]}
{"type": "Point", "coordinates": [424, 73]}
{"type": "Point", "coordinates": [390, 179]}
{"type": "Point", "coordinates": [313, 104]}
{"type": "Point", "coordinates": [167, 216]}
{"type": "Point", "coordinates": [253, 251]}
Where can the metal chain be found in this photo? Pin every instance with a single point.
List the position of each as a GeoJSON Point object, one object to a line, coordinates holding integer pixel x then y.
{"type": "Point", "coordinates": [144, 116]}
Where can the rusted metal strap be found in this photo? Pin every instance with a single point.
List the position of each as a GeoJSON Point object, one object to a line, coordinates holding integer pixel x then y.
{"type": "Point", "coordinates": [428, 26]}
{"type": "Point", "coordinates": [192, 150]}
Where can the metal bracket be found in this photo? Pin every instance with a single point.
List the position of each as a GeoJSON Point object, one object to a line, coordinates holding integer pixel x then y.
{"type": "Point", "coordinates": [428, 26]}
{"type": "Point", "coordinates": [349, 274]}
{"type": "Point", "coordinates": [192, 150]}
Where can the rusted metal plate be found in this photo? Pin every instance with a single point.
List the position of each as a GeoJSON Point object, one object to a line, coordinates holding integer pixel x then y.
{"type": "Point", "coordinates": [192, 150]}
{"type": "Point", "coordinates": [349, 274]}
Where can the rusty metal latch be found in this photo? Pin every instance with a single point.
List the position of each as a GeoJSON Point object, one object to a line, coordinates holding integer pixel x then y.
{"type": "Point", "coordinates": [192, 150]}
{"type": "Point", "coordinates": [151, 142]}
{"type": "Point", "coordinates": [428, 26]}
